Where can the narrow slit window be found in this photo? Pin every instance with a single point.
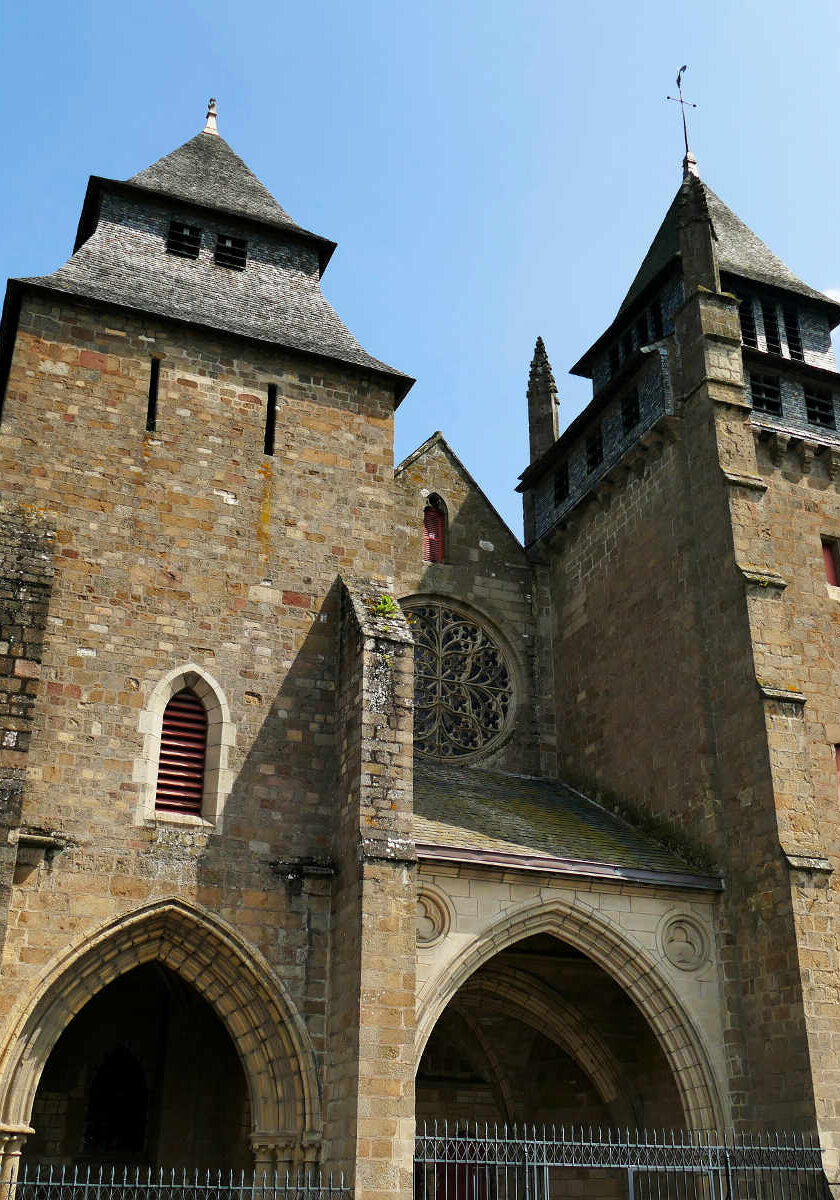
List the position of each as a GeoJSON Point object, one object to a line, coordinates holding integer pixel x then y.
{"type": "Point", "coordinates": [561, 484]}
{"type": "Point", "coordinates": [614, 360]}
{"type": "Point", "coordinates": [231, 252]}
{"type": "Point", "coordinates": [630, 411]}
{"type": "Point", "coordinates": [183, 240]}
{"type": "Point", "coordinates": [831, 561]}
{"type": "Point", "coordinates": [819, 408]}
{"type": "Point", "coordinates": [766, 394]}
{"type": "Point", "coordinates": [152, 405]}
{"type": "Point", "coordinates": [745, 312]}
{"type": "Point", "coordinates": [792, 333]}
{"type": "Point", "coordinates": [594, 450]}
{"type": "Point", "coordinates": [270, 419]}
{"type": "Point", "coordinates": [434, 530]}
{"type": "Point", "coordinates": [771, 327]}
{"type": "Point", "coordinates": [183, 752]}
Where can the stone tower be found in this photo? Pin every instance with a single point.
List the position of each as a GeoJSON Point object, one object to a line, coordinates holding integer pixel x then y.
{"type": "Point", "coordinates": [193, 450]}
{"type": "Point", "coordinates": [686, 516]}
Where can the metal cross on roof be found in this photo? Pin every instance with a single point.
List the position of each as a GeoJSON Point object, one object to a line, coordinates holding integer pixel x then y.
{"type": "Point", "coordinates": [682, 103]}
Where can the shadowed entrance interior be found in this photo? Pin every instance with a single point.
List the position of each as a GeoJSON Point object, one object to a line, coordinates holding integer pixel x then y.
{"type": "Point", "coordinates": [145, 1075]}
{"type": "Point", "coordinates": [541, 1033]}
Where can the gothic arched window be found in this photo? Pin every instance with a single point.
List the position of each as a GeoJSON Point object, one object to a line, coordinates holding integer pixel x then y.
{"type": "Point", "coordinates": [434, 530]}
{"type": "Point", "coordinates": [183, 751]}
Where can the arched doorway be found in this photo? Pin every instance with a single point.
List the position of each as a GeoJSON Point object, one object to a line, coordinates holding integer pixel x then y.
{"type": "Point", "coordinates": [235, 984]}
{"type": "Point", "coordinates": [540, 1033]}
{"type": "Point", "coordinates": [147, 1075]}
{"type": "Point", "coordinates": [579, 982]}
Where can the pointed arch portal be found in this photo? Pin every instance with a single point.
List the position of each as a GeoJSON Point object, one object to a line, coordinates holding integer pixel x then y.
{"type": "Point", "coordinates": [268, 1034]}
{"type": "Point", "coordinates": [495, 982]}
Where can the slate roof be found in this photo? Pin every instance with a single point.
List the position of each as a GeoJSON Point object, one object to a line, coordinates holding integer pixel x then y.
{"type": "Point", "coordinates": [121, 258]}
{"type": "Point", "coordinates": [509, 818]}
{"type": "Point", "coordinates": [206, 171]}
{"type": "Point", "coordinates": [739, 252]}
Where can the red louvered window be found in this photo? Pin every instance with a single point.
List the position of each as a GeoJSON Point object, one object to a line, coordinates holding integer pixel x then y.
{"type": "Point", "coordinates": [830, 559]}
{"type": "Point", "coordinates": [183, 748]}
{"type": "Point", "coordinates": [434, 524]}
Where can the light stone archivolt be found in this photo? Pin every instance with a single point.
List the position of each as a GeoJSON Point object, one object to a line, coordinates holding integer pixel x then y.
{"type": "Point", "coordinates": [221, 734]}
{"type": "Point", "coordinates": [623, 960]}
{"type": "Point", "coordinates": [269, 1035]}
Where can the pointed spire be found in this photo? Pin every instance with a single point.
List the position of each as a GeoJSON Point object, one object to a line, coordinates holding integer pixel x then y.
{"type": "Point", "coordinates": [211, 126]}
{"type": "Point", "coordinates": [542, 403]}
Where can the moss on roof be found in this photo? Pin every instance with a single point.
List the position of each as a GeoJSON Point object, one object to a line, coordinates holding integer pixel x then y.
{"type": "Point", "coordinates": [460, 807]}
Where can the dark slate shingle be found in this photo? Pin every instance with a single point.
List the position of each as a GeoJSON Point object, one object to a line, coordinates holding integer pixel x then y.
{"type": "Point", "coordinates": [206, 171]}
{"type": "Point", "coordinates": [739, 252]}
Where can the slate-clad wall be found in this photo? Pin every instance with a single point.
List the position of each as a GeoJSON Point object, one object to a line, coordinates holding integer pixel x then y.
{"type": "Point", "coordinates": [794, 409]}
{"type": "Point", "coordinates": [655, 400]}
{"type": "Point", "coordinates": [670, 298]}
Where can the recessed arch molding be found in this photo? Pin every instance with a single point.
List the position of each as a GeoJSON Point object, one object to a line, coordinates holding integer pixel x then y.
{"type": "Point", "coordinates": [266, 1029]}
{"type": "Point", "coordinates": [624, 961]}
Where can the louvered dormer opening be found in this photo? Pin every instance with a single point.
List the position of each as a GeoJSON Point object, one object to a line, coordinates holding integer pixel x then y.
{"type": "Point", "coordinates": [231, 252]}
{"type": "Point", "coordinates": [183, 240]}
{"type": "Point", "coordinates": [183, 752]}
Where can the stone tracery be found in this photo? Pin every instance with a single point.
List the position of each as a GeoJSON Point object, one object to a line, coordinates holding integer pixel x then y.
{"type": "Point", "coordinates": [463, 689]}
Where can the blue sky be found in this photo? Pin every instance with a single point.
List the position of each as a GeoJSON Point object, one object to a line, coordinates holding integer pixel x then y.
{"type": "Point", "coordinates": [491, 170]}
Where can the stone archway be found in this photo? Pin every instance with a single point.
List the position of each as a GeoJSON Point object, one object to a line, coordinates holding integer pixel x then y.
{"type": "Point", "coordinates": [625, 962]}
{"type": "Point", "coordinates": [269, 1035]}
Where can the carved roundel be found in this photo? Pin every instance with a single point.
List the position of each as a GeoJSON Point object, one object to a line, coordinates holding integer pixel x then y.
{"type": "Point", "coordinates": [432, 920]}
{"type": "Point", "coordinates": [463, 686]}
{"type": "Point", "coordinates": [684, 942]}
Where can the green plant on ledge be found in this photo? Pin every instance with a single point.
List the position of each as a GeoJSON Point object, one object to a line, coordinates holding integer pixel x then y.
{"type": "Point", "coordinates": [385, 606]}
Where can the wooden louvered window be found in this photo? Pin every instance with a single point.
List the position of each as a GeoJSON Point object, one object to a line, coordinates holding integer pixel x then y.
{"type": "Point", "coordinates": [434, 529]}
{"type": "Point", "coordinates": [183, 749]}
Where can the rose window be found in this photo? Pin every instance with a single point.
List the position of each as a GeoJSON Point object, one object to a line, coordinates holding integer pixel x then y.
{"type": "Point", "coordinates": [463, 690]}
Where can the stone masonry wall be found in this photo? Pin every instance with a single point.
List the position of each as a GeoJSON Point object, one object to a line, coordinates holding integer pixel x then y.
{"type": "Point", "coordinates": [188, 545]}
{"type": "Point", "coordinates": [659, 702]}
{"type": "Point", "coordinates": [795, 619]}
{"type": "Point", "coordinates": [487, 573]}
{"type": "Point", "coordinates": [25, 583]}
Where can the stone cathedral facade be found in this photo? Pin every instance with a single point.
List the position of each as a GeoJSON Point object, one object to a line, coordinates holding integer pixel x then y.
{"type": "Point", "coordinates": [325, 803]}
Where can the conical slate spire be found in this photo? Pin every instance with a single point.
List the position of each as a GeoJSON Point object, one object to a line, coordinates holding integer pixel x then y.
{"type": "Point", "coordinates": [542, 403]}
{"type": "Point", "coordinates": [206, 171]}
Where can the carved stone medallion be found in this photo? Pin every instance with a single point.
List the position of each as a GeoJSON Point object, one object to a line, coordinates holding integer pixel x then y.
{"type": "Point", "coordinates": [684, 942]}
{"type": "Point", "coordinates": [432, 921]}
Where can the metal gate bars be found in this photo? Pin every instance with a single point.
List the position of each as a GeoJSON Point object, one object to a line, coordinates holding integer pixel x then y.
{"type": "Point", "coordinates": [483, 1162]}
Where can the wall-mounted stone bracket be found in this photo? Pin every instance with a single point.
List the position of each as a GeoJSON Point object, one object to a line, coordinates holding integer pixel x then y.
{"type": "Point", "coordinates": [808, 862]}
{"type": "Point", "coordinates": [293, 871]}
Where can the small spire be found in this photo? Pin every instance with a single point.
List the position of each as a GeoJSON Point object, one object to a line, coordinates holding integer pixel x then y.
{"type": "Point", "coordinates": [211, 126]}
{"type": "Point", "coordinates": [541, 374]}
{"type": "Point", "coordinates": [542, 403]}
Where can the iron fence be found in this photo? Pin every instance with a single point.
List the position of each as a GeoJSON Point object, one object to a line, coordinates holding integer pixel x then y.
{"type": "Point", "coordinates": [39, 1182]}
{"type": "Point", "coordinates": [482, 1162]}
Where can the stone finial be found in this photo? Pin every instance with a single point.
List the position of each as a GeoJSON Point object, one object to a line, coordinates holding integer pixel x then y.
{"type": "Point", "coordinates": [690, 166]}
{"type": "Point", "coordinates": [211, 126]}
{"type": "Point", "coordinates": [542, 403]}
